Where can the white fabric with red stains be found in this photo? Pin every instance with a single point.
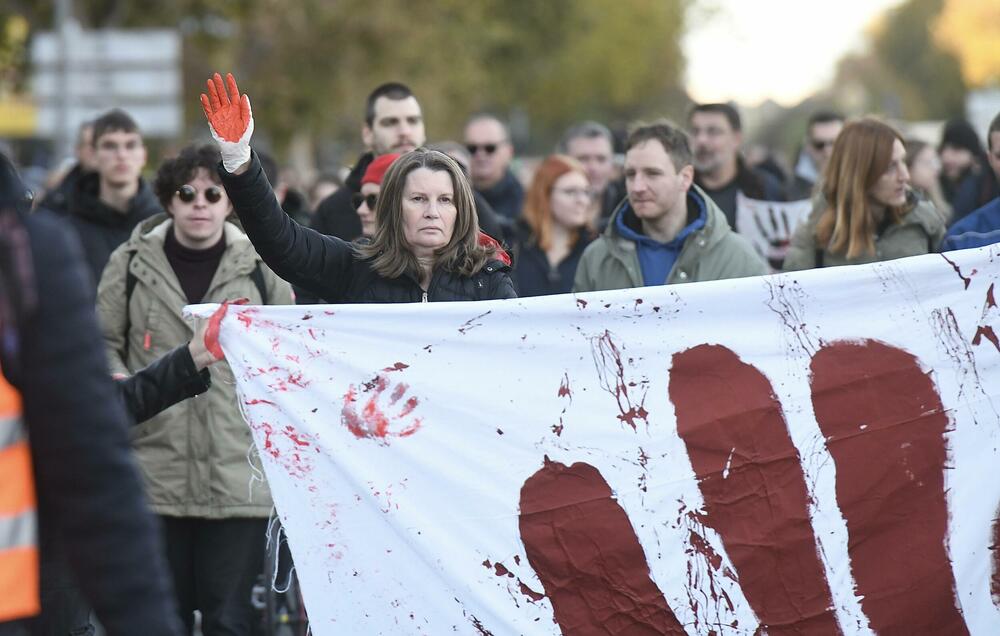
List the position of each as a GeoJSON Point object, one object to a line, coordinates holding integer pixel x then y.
{"type": "Point", "coordinates": [398, 440]}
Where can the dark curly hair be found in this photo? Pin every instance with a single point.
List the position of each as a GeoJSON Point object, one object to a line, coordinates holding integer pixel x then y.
{"type": "Point", "coordinates": [175, 172]}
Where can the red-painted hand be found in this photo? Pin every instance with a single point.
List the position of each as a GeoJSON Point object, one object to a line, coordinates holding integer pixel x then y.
{"type": "Point", "coordinates": [230, 119]}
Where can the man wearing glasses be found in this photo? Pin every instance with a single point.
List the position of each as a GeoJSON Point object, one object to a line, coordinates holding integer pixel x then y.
{"type": "Point", "coordinates": [821, 132]}
{"type": "Point", "coordinates": [488, 142]}
{"type": "Point", "coordinates": [106, 205]}
{"type": "Point", "coordinates": [720, 170]}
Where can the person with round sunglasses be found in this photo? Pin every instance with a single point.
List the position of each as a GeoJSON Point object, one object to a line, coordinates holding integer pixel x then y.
{"type": "Point", "coordinates": [193, 456]}
{"type": "Point", "coordinates": [366, 200]}
{"type": "Point", "coordinates": [426, 246]}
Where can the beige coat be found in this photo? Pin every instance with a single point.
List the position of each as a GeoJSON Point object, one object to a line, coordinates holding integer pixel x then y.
{"type": "Point", "coordinates": [194, 455]}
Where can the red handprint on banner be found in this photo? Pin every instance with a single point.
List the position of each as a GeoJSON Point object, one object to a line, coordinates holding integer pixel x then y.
{"type": "Point", "coordinates": [380, 417]}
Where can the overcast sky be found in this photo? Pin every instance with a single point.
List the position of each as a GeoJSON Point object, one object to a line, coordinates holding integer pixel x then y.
{"type": "Point", "coordinates": [778, 49]}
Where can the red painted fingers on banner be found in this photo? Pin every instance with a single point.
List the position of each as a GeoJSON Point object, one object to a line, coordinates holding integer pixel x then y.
{"type": "Point", "coordinates": [751, 478]}
{"type": "Point", "coordinates": [584, 550]}
{"type": "Point", "coordinates": [885, 428]}
{"type": "Point", "coordinates": [227, 111]}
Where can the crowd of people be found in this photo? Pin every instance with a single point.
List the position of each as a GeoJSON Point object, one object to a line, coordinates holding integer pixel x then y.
{"type": "Point", "coordinates": [411, 222]}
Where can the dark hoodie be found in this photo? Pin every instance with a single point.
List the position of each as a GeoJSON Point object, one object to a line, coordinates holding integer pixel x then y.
{"type": "Point", "coordinates": [90, 499]}
{"type": "Point", "coordinates": [101, 228]}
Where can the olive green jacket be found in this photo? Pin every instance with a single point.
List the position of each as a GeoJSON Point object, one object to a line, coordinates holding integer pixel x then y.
{"type": "Point", "coordinates": [714, 252]}
{"type": "Point", "coordinates": [919, 232]}
{"type": "Point", "coordinates": [194, 455]}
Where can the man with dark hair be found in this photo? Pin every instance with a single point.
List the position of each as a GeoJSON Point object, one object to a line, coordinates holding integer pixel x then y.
{"type": "Point", "coordinates": [981, 227]}
{"type": "Point", "coordinates": [720, 170]}
{"type": "Point", "coordinates": [966, 179]}
{"type": "Point", "coordinates": [488, 142]}
{"type": "Point", "coordinates": [106, 205]}
{"type": "Point", "coordinates": [57, 199]}
{"type": "Point", "coordinates": [667, 230]}
{"type": "Point", "coordinates": [821, 131]}
{"type": "Point", "coordinates": [393, 123]}
{"type": "Point", "coordinates": [592, 144]}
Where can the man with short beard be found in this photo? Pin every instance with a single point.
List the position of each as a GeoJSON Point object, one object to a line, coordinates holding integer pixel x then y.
{"type": "Point", "coordinates": [106, 205]}
{"type": "Point", "coordinates": [717, 135]}
{"type": "Point", "coordinates": [393, 123]}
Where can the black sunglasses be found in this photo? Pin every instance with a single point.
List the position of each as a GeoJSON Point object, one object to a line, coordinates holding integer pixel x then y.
{"type": "Point", "coordinates": [487, 148]}
{"type": "Point", "coordinates": [357, 199]}
{"type": "Point", "coordinates": [187, 193]}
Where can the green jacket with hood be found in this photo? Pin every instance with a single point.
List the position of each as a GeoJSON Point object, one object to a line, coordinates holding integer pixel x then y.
{"type": "Point", "coordinates": [194, 456]}
{"type": "Point", "coordinates": [919, 232]}
{"type": "Point", "coordinates": [713, 252]}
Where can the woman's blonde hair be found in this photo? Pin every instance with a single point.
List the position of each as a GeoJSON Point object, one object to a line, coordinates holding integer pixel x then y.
{"type": "Point", "coordinates": [538, 201]}
{"type": "Point", "coordinates": [390, 253]}
{"type": "Point", "coordinates": [861, 155]}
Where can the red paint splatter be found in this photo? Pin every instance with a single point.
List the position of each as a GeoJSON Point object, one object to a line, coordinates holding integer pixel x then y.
{"type": "Point", "coordinates": [501, 570]}
{"type": "Point", "coordinates": [638, 301]}
{"type": "Point", "coordinates": [751, 478]}
{"type": "Point", "coordinates": [986, 331]}
{"type": "Point", "coordinates": [581, 303]}
{"type": "Point", "coordinates": [312, 334]}
{"type": "Point", "coordinates": [885, 428]}
{"type": "Point", "coordinates": [468, 324]}
{"type": "Point", "coordinates": [479, 626]}
{"type": "Point", "coordinates": [990, 300]}
{"type": "Point", "coordinates": [499, 432]}
{"type": "Point", "coordinates": [966, 279]}
{"type": "Point", "coordinates": [611, 374]}
{"type": "Point", "coordinates": [399, 366]}
{"type": "Point", "coordinates": [532, 595]}
{"type": "Point", "coordinates": [307, 317]}
{"type": "Point", "coordinates": [564, 390]}
{"type": "Point", "coordinates": [256, 401]}
{"type": "Point", "coordinates": [373, 422]}
{"type": "Point", "coordinates": [605, 587]}
{"type": "Point", "coordinates": [558, 428]}
{"type": "Point", "coordinates": [329, 313]}
{"type": "Point", "coordinates": [995, 561]}
{"type": "Point", "coordinates": [211, 338]}
{"type": "Point", "coordinates": [246, 317]}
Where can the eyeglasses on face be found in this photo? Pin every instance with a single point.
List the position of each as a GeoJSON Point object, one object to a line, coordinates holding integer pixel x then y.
{"type": "Point", "coordinates": [188, 193]}
{"type": "Point", "coordinates": [487, 148]}
{"type": "Point", "coordinates": [370, 199]}
{"type": "Point", "coordinates": [583, 193]}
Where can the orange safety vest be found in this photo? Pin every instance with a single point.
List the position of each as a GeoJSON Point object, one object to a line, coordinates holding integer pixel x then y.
{"type": "Point", "coordinates": [18, 524]}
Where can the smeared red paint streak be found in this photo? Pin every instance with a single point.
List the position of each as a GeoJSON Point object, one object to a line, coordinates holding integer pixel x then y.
{"type": "Point", "coordinates": [611, 370]}
{"type": "Point", "coordinates": [532, 595]}
{"type": "Point", "coordinates": [581, 303]}
{"type": "Point", "coordinates": [293, 435]}
{"type": "Point", "coordinates": [329, 313]}
{"type": "Point", "coordinates": [245, 318]}
{"type": "Point", "coordinates": [701, 546]}
{"type": "Point", "coordinates": [995, 561]}
{"type": "Point", "coordinates": [409, 406]}
{"type": "Point", "coordinates": [479, 627]}
{"type": "Point", "coordinates": [399, 366]}
{"type": "Point", "coordinates": [756, 498]}
{"type": "Point", "coordinates": [990, 299]}
{"type": "Point", "coordinates": [312, 334]}
{"type": "Point", "coordinates": [986, 331]}
{"type": "Point", "coordinates": [890, 482]}
{"type": "Point", "coordinates": [398, 393]}
{"type": "Point", "coordinates": [468, 324]}
{"type": "Point", "coordinates": [256, 401]}
{"type": "Point", "coordinates": [558, 428]}
{"type": "Point", "coordinates": [564, 390]}
{"type": "Point", "coordinates": [966, 279]}
{"type": "Point", "coordinates": [605, 588]}
{"type": "Point", "coordinates": [292, 358]}
{"type": "Point", "coordinates": [307, 317]}
{"type": "Point", "coordinates": [211, 339]}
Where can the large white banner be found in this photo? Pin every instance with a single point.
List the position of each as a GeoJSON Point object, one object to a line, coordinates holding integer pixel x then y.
{"type": "Point", "coordinates": [810, 453]}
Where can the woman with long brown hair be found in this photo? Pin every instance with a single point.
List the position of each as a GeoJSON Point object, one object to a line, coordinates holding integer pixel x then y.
{"type": "Point", "coordinates": [426, 244]}
{"type": "Point", "coordinates": [555, 228]}
{"type": "Point", "coordinates": [866, 211]}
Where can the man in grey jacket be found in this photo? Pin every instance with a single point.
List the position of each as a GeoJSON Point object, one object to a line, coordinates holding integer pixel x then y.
{"type": "Point", "coordinates": [667, 230]}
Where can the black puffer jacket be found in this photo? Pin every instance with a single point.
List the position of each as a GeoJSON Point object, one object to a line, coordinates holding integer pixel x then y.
{"type": "Point", "coordinates": [100, 228]}
{"type": "Point", "coordinates": [172, 378]}
{"type": "Point", "coordinates": [331, 268]}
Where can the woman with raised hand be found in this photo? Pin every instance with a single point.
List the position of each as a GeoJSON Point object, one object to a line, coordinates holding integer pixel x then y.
{"type": "Point", "coordinates": [426, 242]}
{"type": "Point", "coordinates": [866, 211]}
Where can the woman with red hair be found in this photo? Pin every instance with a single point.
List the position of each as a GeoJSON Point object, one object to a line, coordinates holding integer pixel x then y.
{"type": "Point", "coordinates": [555, 228]}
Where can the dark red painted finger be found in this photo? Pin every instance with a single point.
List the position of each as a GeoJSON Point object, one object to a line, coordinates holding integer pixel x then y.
{"type": "Point", "coordinates": [584, 550]}
{"type": "Point", "coordinates": [995, 560]}
{"type": "Point", "coordinates": [885, 428]}
{"type": "Point", "coordinates": [751, 478]}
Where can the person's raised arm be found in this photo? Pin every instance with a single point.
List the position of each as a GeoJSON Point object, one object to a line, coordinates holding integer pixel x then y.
{"type": "Point", "coordinates": [315, 262]}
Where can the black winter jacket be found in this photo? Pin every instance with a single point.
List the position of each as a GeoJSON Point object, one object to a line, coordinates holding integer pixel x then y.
{"type": "Point", "coordinates": [90, 497]}
{"type": "Point", "coordinates": [102, 229]}
{"type": "Point", "coordinates": [170, 379]}
{"type": "Point", "coordinates": [329, 267]}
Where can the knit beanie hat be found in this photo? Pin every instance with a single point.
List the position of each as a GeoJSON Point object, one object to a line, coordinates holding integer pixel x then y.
{"type": "Point", "coordinates": [959, 133]}
{"type": "Point", "coordinates": [377, 168]}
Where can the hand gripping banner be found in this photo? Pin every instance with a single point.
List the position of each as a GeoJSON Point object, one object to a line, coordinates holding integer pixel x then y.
{"type": "Point", "coordinates": [810, 453]}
